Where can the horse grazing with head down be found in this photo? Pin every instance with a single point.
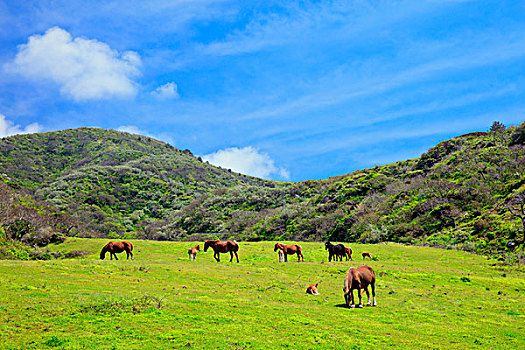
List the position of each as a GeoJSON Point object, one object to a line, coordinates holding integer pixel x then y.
{"type": "Point", "coordinates": [335, 251]}
{"type": "Point", "coordinates": [366, 254]}
{"type": "Point", "coordinates": [117, 247]}
{"type": "Point", "coordinates": [289, 249]}
{"type": "Point", "coordinates": [192, 252]}
{"type": "Point", "coordinates": [359, 278]}
{"type": "Point", "coordinates": [222, 247]}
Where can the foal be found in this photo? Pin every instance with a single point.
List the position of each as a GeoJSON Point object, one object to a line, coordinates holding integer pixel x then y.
{"type": "Point", "coordinates": [365, 254]}
{"type": "Point", "coordinates": [359, 278]}
{"type": "Point", "coordinates": [312, 289]}
{"type": "Point", "coordinates": [192, 252]}
{"type": "Point", "coordinates": [348, 253]}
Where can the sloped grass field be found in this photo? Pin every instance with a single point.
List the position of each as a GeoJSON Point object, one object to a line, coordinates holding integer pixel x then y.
{"type": "Point", "coordinates": [427, 298]}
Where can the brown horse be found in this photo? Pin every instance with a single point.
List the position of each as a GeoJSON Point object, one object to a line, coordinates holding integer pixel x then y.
{"type": "Point", "coordinates": [192, 252]}
{"type": "Point", "coordinates": [335, 251]}
{"type": "Point", "coordinates": [366, 254]}
{"type": "Point", "coordinates": [222, 247]}
{"type": "Point", "coordinates": [312, 289]}
{"type": "Point", "coordinates": [359, 278]}
{"type": "Point", "coordinates": [348, 253]}
{"type": "Point", "coordinates": [289, 249]}
{"type": "Point", "coordinates": [117, 247]}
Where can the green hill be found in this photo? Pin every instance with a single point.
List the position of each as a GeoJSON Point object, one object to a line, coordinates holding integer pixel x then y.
{"type": "Point", "coordinates": [121, 185]}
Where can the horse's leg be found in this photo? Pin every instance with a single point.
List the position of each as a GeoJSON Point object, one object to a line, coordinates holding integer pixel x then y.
{"type": "Point", "coordinates": [352, 303]}
{"type": "Point", "coordinates": [237, 256]}
{"type": "Point", "coordinates": [217, 257]}
{"type": "Point", "coordinates": [359, 295]}
{"type": "Point", "coordinates": [373, 286]}
{"type": "Point", "coordinates": [231, 256]}
{"type": "Point", "coordinates": [285, 257]}
{"type": "Point", "coordinates": [131, 253]}
{"type": "Point", "coordinates": [368, 296]}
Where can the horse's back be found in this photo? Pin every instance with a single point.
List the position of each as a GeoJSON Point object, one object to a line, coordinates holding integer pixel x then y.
{"type": "Point", "coordinates": [234, 246]}
{"type": "Point", "coordinates": [367, 273]}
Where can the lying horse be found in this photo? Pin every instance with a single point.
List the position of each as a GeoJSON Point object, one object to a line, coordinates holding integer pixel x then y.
{"type": "Point", "coordinates": [365, 254]}
{"type": "Point", "coordinates": [348, 253]}
{"type": "Point", "coordinates": [335, 251]}
{"type": "Point", "coordinates": [312, 289]}
{"type": "Point", "coordinates": [117, 247]}
{"type": "Point", "coordinates": [222, 247]}
{"type": "Point", "coordinates": [289, 249]}
{"type": "Point", "coordinates": [359, 279]}
{"type": "Point", "coordinates": [192, 252]}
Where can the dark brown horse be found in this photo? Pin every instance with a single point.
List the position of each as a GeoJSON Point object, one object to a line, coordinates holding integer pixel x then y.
{"type": "Point", "coordinates": [348, 251]}
{"type": "Point", "coordinates": [289, 249]}
{"type": "Point", "coordinates": [335, 251]}
{"type": "Point", "coordinates": [117, 247]}
{"type": "Point", "coordinates": [222, 247]}
{"type": "Point", "coordinates": [192, 252]}
{"type": "Point", "coordinates": [359, 278]}
{"type": "Point", "coordinates": [366, 254]}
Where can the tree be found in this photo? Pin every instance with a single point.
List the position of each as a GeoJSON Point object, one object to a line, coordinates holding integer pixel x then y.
{"type": "Point", "coordinates": [497, 130]}
{"type": "Point", "coordinates": [516, 207]}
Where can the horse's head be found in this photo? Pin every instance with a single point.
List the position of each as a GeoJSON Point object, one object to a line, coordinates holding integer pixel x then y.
{"type": "Point", "coordinates": [197, 248]}
{"type": "Point", "coordinates": [103, 253]}
{"type": "Point", "coordinates": [207, 244]}
{"type": "Point", "coordinates": [326, 245]}
{"type": "Point", "coordinates": [276, 247]}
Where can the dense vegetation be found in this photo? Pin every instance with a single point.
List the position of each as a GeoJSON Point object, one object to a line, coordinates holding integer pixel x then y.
{"type": "Point", "coordinates": [467, 192]}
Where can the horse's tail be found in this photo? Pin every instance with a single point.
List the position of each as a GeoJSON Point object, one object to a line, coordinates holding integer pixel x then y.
{"type": "Point", "coordinates": [235, 245]}
{"type": "Point", "coordinates": [130, 246]}
{"type": "Point", "coordinates": [299, 249]}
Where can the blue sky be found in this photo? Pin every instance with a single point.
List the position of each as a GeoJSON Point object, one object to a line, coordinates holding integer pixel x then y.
{"type": "Point", "coordinates": [282, 90]}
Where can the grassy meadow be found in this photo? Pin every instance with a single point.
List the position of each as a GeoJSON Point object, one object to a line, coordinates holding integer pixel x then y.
{"type": "Point", "coordinates": [427, 298]}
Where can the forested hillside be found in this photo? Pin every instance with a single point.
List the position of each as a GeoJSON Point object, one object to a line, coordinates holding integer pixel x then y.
{"type": "Point", "coordinates": [466, 192]}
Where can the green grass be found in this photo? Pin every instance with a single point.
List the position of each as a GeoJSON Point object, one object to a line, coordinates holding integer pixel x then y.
{"type": "Point", "coordinates": [427, 298]}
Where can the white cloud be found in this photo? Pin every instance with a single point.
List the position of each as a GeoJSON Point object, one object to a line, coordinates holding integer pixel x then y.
{"type": "Point", "coordinates": [85, 69]}
{"type": "Point", "coordinates": [132, 129]}
{"type": "Point", "coordinates": [247, 160]}
{"type": "Point", "coordinates": [168, 90]}
{"type": "Point", "coordinates": [8, 128]}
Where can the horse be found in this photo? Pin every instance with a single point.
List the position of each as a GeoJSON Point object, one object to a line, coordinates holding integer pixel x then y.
{"type": "Point", "coordinates": [365, 254]}
{"type": "Point", "coordinates": [289, 249]}
{"type": "Point", "coordinates": [335, 251]}
{"type": "Point", "coordinates": [312, 289]}
{"type": "Point", "coordinates": [117, 247]}
{"type": "Point", "coordinates": [359, 278]}
{"type": "Point", "coordinates": [348, 251]}
{"type": "Point", "coordinates": [222, 247]}
{"type": "Point", "coordinates": [192, 252]}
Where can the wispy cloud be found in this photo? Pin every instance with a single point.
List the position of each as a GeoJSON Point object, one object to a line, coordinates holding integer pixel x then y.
{"type": "Point", "coordinates": [168, 90]}
{"type": "Point", "coordinates": [247, 160]}
{"type": "Point", "coordinates": [84, 69]}
{"type": "Point", "coordinates": [8, 128]}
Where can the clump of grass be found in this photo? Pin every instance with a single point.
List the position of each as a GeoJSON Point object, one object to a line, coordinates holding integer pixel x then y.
{"type": "Point", "coordinates": [136, 306]}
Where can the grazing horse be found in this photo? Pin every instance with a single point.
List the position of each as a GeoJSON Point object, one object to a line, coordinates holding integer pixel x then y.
{"type": "Point", "coordinates": [192, 252]}
{"type": "Point", "coordinates": [348, 251]}
{"type": "Point", "coordinates": [335, 251]}
{"type": "Point", "coordinates": [117, 247]}
{"type": "Point", "coordinates": [222, 247]}
{"type": "Point", "coordinates": [359, 279]}
{"type": "Point", "coordinates": [312, 289]}
{"type": "Point", "coordinates": [289, 249]}
{"type": "Point", "coordinates": [365, 254]}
